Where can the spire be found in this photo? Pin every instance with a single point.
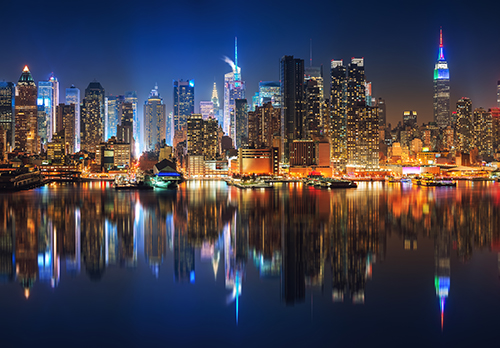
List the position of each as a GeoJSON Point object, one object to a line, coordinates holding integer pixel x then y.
{"type": "Point", "coordinates": [441, 53]}
{"type": "Point", "coordinates": [26, 69]}
{"type": "Point", "coordinates": [236, 52]}
{"type": "Point", "coordinates": [311, 52]}
{"type": "Point", "coordinates": [214, 92]}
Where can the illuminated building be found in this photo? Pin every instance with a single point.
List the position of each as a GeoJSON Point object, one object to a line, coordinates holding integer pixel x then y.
{"type": "Point", "coordinates": [154, 121]}
{"type": "Point", "coordinates": [183, 103]}
{"type": "Point", "coordinates": [292, 98]}
{"type": "Point", "coordinates": [263, 125]}
{"type": "Point", "coordinates": [125, 130]}
{"type": "Point", "coordinates": [409, 119]}
{"type": "Point", "coordinates": [338, 116]}
{"type": "Point", "coordinates": [113, 154]}
{"type": "Point", "coordinates": [368, 93]}
{"type": "Point", "coordinates": [363, 138]}
{"type": "Point", "coordinates": [56, 149]}
{"type": "Point", "coordinates": [255, 101]}
{"type": "Point", "coordinates": [310, 155]}
{"type": "Point", "coordinates": [207, 109]}
{"type": "Point", "coordinates": [26, 114]}
{"type": "Point", "coordinates": [498, 94]}
{"type": "Point", "coordinates": [381, 112]}
{"type": "Point", "coordinates": [202, 142]}
{"type": "Point", "coordinates": [3, 143]}
{"type": "Point", "coordinates": [234, 88]}
{"type": "Point", "coordinates": [65, 123]}
{"type": "Point", "coordinates": [483, 133]}
{"type": "Point", "coordinates": [240, 135]}
{"type": "Point", "coordinates": [73, 97]}
{"type": "Point", "coordinates": [441, 88]}
{"type": "Point", "coordinates": [216, 105]}
{"type": "Point", "coordinates": [356, 83]}
{"type": "Point", "coordinates": [314, 97]}
{"type": "Point", "coordinates": [48, 98]}
{"type": "Point", "coordinates": [137, 125]}
{"type": "Point", "coordinates": [495, 117]}
{"type": "Point", "coordinates": [270, 91]}
{"type": "Point", "coordinates": [7, 120]}
{"type": "Point", "coordinates": [113, 114]}
{"type": "Point", "coordinates": [258, 161]}
{"type": "Point", "coordinates": [93, 117]}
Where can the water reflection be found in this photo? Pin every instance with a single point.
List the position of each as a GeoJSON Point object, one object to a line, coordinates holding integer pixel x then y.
{"type": "Point", "coordinates": [304, 237]}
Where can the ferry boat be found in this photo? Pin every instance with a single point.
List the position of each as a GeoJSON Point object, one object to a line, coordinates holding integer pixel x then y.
{"type": "Point", "coordinates": [14, 179]}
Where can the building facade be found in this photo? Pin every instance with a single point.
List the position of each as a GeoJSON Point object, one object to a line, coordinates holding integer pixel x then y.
{"type": "Point", "coordinates": [73, 97]}
{"type": "Point", "coordinates": [7, 119]}
{"type": "Point", "coordinates": [154, 121]}
{"type": "Point", "coordinates": [183, 103]}
{"type": "Point", "coordinates": [93, 119]}
{"type": "Point", "coordinates": [26, 114]}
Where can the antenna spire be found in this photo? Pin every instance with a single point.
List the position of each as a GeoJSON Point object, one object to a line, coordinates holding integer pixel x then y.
{"type": "Point", "coordinates": [440, 36]}
{"type": "Point", "coordinates": [236, 52]}
{"type": "Point", "coordinates": [310, 52]}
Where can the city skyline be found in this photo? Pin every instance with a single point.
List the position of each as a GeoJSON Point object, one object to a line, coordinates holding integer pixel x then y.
{"type": "Point", "coordinates": [393, 53]}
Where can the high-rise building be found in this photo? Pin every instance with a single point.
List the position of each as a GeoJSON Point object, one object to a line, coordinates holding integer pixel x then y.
{"type": "Point", "coordinates": [314, 96]}
{"type": "Point", "coordinates": [137, 129]}
{"type": "Point", "coordinates": [441, 88]}
{"type": "Point", "coordinates": [154, 121]}
{"type": "Point", "coordinates": [409, 119]}
{"type": "Point", "coordinates": [73, 97]}
{"type": "Point", "coordinates": [216, 104]}
{"type": "Point", "coordinates": [363, 137]}
{"type": "Point", "coordinates": [381, 112]}
{"type": "Point", "coordinates": [483, 133]}
{"type": "Point", "coordinates": [183, 103]}
{"type": "Point", "coordinates": [93, 117]}
{"type": "Point", "coordinates": [292, 98]}
{"type": "Point", "coordinates": [195, 135]}
{"type": "Point", "coordinates": [368, 93]}
{"type": "Point", "coordinates": [338, 113]}
{"type": "Point", "coordinates": [270, 91]}
{"type": "Point", "coordinates": [202, 142]}
{"type": "Point", "coordinates": [464, 127]}
{"type": "Point", "coordinates": [7, 120]}
{"type": "Point", "coordinates": [498, 94]}
{"type": "Point", "coordinates": [207, 109]}
{"type": "Point", "coordinates": [263, 125]}
{"type": "Point", "coordinates": [234, 88]}
{"type": "Point", "coordinates": [240, 135]}
{"type": "Point", "coordinates": [495, 117]}
{"type": "Point", "coordinates": [65, 125]}
{"type": "Point", "coordinates": [113, 106]}
{"type": "Point", "coordinates": [26, 114]}
{"type": "Point", "coordinates": [125, 130]}
{"type": "Point", "coordinates": [48, 99]}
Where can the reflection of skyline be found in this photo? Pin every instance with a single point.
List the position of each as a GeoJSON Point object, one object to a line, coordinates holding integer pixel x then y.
{"type": "Point", "coordinates": [299, 235]}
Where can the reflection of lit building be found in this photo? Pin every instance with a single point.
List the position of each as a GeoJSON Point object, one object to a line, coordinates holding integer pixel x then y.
{"type": "Point", "coordinates": [442, 275]}
{"type": "Point", "coordinates": [183, 257]}
{"type": "Point", "coordinates": [155, 240]}
{"type": "Point", "coordinates": [26, 248]}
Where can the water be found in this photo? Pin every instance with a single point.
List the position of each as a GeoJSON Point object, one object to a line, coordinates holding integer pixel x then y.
{"type": "Point", "coordinates": [206, 265]}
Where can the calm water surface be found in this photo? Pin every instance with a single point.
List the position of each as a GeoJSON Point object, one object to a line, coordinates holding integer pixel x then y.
{"type": "Point", "coordinates": [382, 265]}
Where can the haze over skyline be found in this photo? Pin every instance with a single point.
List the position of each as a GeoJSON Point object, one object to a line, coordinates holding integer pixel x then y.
{"type": "Point", "coordinates": [132, 45]}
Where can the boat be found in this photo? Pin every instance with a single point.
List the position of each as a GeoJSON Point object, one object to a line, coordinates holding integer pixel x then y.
{"type": "Point", "coordinates": [15, 179]}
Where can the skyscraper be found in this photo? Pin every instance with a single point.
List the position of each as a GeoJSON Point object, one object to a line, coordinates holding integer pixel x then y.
{"type": "Point", "coordinates": [48, 98]}
{"type": "Point", "coordinates": [137, 129]}
{"type": "Point", "coordinates": [240, 135]}
{"type": "Point", "coordinates": [234, 88]}
{"type": "Point", "coordinates": [125, 130]}
{"type": "Point", "coordinates": [26, 115]}
{"type": "Point", "coordinates": [483, 133]}
{"type": "Point", "coordinates": [464, 128]}
{"type": "Point", "coordinates": [498, 94]}
{"type": "Point", "coordinates": [409, 119]}
{"type": "Point", "coordinates": [206, 109]}
{"type": "Point", "coordinates": [154, 120]}
{"type": "Point", "coordinates": [7, 97]}
{"type": "Point", "coordinates": [441, 88]}
{"type": "Point", "coordinates": [263, 125]}
{"type": "Point", "coordinates": [216, 104]}
{"type": "Point", "coordinates": [65, 125]}
{"type": "Point", "coordinates": [270, 91]}
{"type": "Point", "coordinates": [292, 98]}
{"type": "Point", "coordinates": [93, 117]}
{"type": "Point", "coordinates": [183, 103]}
{"type": "Point", "coordinates": [314, 97]}
{"type": "Point", "coordinates": [73, 97]}
{"type": "Point", "coordinates": [338, 117]}
{"type": "Point", "coordinates": [381, 112]}
{"type": "Point", "coordinates": [113, 114]}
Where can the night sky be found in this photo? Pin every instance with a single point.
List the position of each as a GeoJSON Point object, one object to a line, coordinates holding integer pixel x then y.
{"type": "Point", "coordinates": [129, 45]}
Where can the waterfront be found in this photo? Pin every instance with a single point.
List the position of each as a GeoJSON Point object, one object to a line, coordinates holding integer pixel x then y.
{"type": "Point", "coordinates": [209, 264]}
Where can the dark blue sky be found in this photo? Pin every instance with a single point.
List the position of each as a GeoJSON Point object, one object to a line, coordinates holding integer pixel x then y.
{"type": "Point", "coordinates": [132, 45]}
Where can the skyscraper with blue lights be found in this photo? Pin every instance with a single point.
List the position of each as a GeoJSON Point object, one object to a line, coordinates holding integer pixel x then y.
{"type": "Point", "coordinates": [234, 88]}
{"type": "Point", "coordinates": [183, 103]}
{"type": "Point", "coordinates": [441, 88]}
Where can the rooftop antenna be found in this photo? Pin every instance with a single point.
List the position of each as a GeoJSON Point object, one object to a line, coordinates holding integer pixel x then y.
{"type": "Point", "coordinates": [236, 52]}
{"type": "Point", "coordinates": [310, 52]}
